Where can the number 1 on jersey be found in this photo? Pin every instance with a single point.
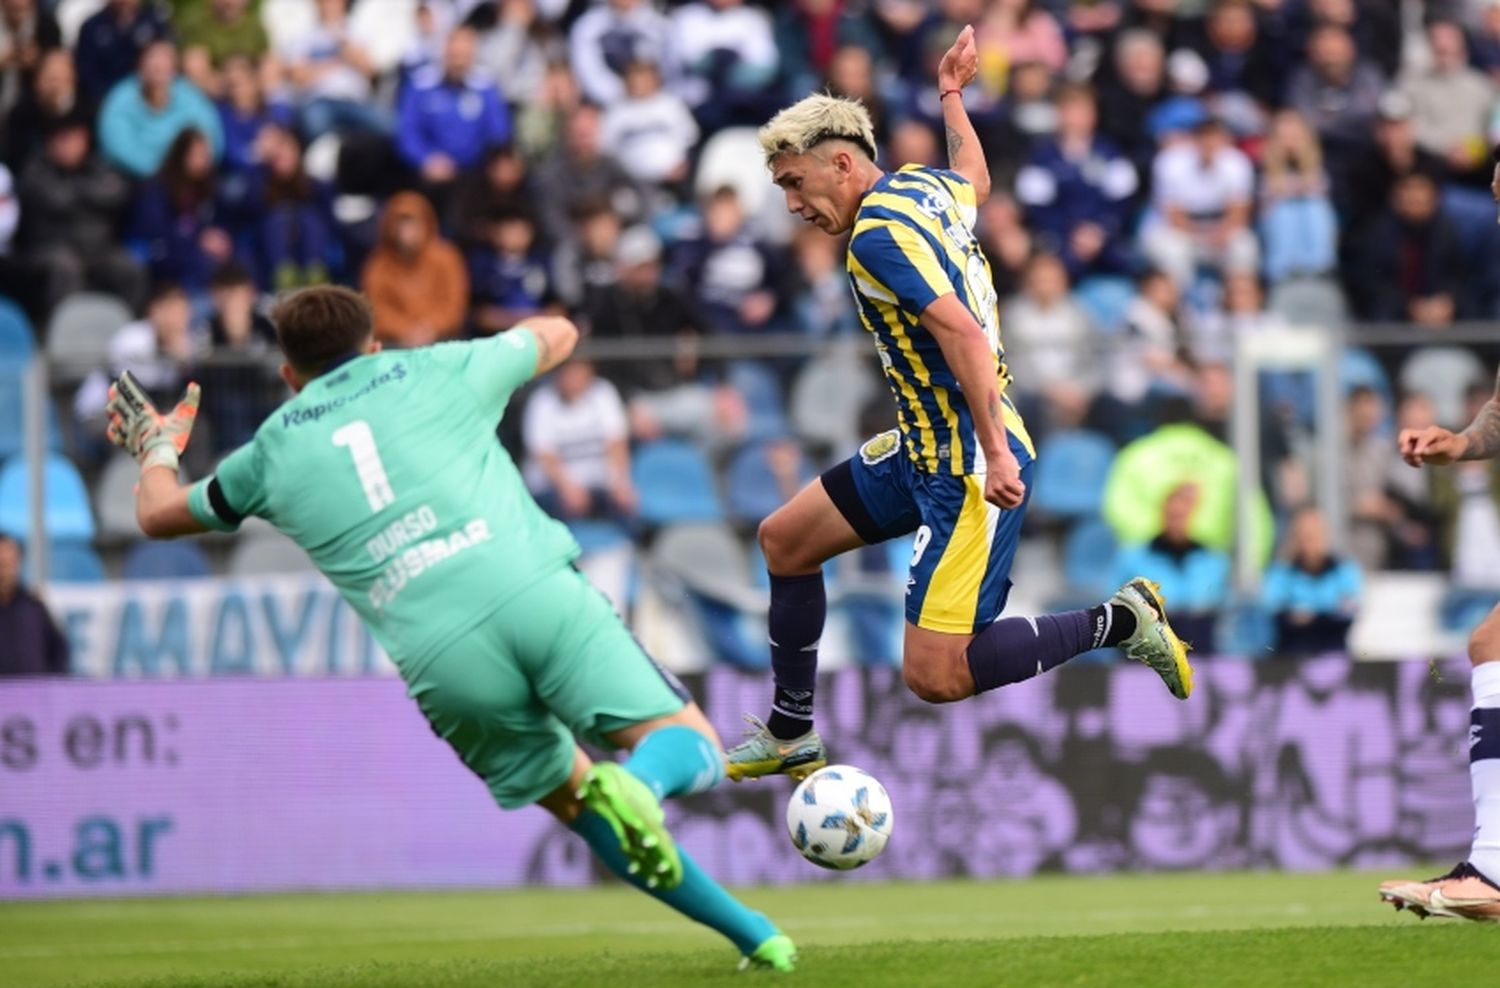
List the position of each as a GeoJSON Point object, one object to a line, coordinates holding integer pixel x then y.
{"type": "Point", "coordinates": [357, 438]}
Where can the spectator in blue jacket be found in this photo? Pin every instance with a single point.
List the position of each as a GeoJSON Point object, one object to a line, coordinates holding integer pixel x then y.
{"type": "Point", "coordinates": [1312, 593]}
{"type": "Point", "coordinates": [175, 227]}
{"type": "Point", "coordinates": [144, 113]}
{"type": "Point", "coordinates": [292, 215]}
{"type": "Point", "coordinates": [1193, 576]}
{"type": "Point", "coordinates": [737, 279]}
{"type": "Point", "coordinates": [243, 111]}
{"type": "Point", "coordinates": [449, 118]}
{"type": "Point", "coordinates": [1077, 189]}
{"type": "Point", "coordinates": [509, 277]}
{"type": "Point", "coordinates": [110, 44]}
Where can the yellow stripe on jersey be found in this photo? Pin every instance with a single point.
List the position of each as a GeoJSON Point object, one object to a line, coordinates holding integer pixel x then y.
{"type": "Point", "coordinates": [909, 208]}
{"type": "Point", "coordinates": [1016, 425]}
{"type": "Point", "coordinates": [953, 592]}
{"type": "Point", "coordinates": [918, 251]}
{"type": "Point", "coordinates": [889, 315]}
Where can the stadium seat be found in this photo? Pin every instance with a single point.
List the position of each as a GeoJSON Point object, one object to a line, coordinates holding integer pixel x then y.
{"type": "Point", "coordinates": [593, 536]}
{"type": "Point", "coordinates": [707, 566]}
{"type": "Point", "coordinates": [828, 396]}
{"type": "Point", "coordinates": [67, 515]}
{"type": "Point", "coordinates": [733, 157]}
{"type": "Point", "coordinates": [81, 327]}
{"type": "Point", "coordinates": [758, 385]}
{"type": "Point", "coordinates": [1317, 302]}
{"type": "Point", "coordinates": [1070, 473]}
{"type": "Point", "coordinates": [1359, 368]}
{"type": "Point", "coordinates": [73, 562]}
{"type": "Point", "coordinates": [1443, 373]}
{"type": "Point", "coordinates": [114, 498]}
{"type": "Point", "coordinates": [751, 487]}
{"type": "Point", "coordinates": [1105, 299]}
{"type": "Point", "coordinates": [1088, 558]}
{"type": "Point", "coordinates": [17, 339]}
{"type": "Point", "coordinates": [259, 553]}
{"type": "Point", "coordinates": [180, 560]}
{"type": "Point", "coordinates": [12, 417]}
{"type": "Point", "coordinates": [675, 483]}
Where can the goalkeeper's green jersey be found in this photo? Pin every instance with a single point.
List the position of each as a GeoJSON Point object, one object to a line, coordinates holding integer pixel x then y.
{"type": "Point", "coordinates": [386, 469]}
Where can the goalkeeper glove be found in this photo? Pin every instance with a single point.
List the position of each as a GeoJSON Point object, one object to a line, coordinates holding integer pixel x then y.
{"type": "Point", "coordinates": [154, 439]}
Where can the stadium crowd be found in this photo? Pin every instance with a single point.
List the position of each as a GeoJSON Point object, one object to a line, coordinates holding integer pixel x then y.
{"type": "Point", "coordinates": [1168, 175]}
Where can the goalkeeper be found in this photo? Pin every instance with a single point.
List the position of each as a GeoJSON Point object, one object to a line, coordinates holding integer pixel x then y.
{"type": "Point", "coordinates": [386, 469]}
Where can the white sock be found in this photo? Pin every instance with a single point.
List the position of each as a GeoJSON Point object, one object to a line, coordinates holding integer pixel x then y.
{"type": "Point", "coordinates": [1484, 769]}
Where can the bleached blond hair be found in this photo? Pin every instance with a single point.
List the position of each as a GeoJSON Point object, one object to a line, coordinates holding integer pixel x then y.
{"type": "Point", "coordinates": [811, 121]}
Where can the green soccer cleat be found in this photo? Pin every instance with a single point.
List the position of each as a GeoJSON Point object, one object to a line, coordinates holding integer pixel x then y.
{"type": "Point", "coordinates": [638, 821]}
{"type": "Point", "coordinates": [775, 954]}
{"type": "Point", "coordinates": [763, 753]}
{"type": "Point", "coordinates": [1154, 643]}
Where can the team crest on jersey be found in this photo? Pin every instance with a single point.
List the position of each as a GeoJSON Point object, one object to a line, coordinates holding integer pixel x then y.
{"type": "Point", "coordinates": [935, 204]}
{"type": "Point", "coordinates": [882, 447]}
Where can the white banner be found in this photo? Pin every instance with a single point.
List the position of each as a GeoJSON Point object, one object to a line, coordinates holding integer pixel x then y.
{"type": "Point", "coordinates": [295, 625]}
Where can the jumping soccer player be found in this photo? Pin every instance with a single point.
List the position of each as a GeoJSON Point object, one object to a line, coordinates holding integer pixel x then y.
{"type": "Point", "coordinates": [1472, 889]}
{"type": "Point", "coordinates": [385, 468]}
{"type": "Point", "coordinates": [957, 471]}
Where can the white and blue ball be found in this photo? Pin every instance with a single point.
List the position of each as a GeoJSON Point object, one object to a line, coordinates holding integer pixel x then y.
{"type": "Point", "coordinates": [840, 817]}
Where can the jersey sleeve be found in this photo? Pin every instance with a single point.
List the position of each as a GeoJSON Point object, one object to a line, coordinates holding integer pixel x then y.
{"type": "Point", "coordinates": [897, 263]}
{"type": "Point", "coordinates": [233, 493]}
{"type": "Point", "coordinates": [495, 368]}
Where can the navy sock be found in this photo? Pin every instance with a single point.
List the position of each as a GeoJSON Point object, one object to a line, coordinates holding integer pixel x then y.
{"type": "Point", "coordinates": [1015, 649]}
{"type": "Point", "coordinates": [676, 760]}
{"type": "Point", "coordinates": [699, 897]}
{"type": "Point", "coordinates": [799, 606]}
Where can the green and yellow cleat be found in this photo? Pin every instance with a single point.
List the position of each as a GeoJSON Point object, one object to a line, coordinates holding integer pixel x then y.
{"type": "Point", "coordinates": [638, 821]}
{"type": "Point", "coordinates": [763, 753]}
{"type": "Point", "coordinates": [1154, 643]}
{"type": "Point", "coordinates": [775, 954]}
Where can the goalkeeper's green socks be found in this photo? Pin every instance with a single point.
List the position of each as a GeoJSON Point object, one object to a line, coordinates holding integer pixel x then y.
{"type": "Point", "coordinates": [699, 897]}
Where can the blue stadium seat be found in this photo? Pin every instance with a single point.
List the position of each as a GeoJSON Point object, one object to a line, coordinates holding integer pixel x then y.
{"type": "Point", "coordinates": [12, 420]}
{"type": "Point", "coordinates": [73, 562]}
{"type": "Point", "coordinates": [1358, 367]}
{"type": "Point", "coordinates": [758, 385]}
{"type": "Point", "coordinates": [1246, 629]}
{"type": "Point", "coordinates": [592, 536]}
{"type": "Point", "coordinates": [751, 487]}
{"type": "Point", "coordinates": [675, 483]}
{"type": "Point", "coordinates": [17, 339]}
{"type": "Point", "coordinates": [1071, 469]}
{"type": "Point", "coordinates": [1089, 558]}
{"type": "Point", "coordinates": [1105, 298]}
{"type": "Point", "coordinates": [67, 515]}
{"type": "Point", "coordinates": [165, 561]}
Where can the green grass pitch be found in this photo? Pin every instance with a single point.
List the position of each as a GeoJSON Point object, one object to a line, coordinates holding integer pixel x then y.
{"type": "Point", "coordinates": [1194, 931]}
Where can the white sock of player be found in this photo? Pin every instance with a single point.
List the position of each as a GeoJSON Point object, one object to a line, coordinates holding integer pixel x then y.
{"type": "Point", "coordinates": [1484, 769]}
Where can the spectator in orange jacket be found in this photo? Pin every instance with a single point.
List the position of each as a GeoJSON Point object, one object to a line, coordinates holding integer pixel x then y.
{"type": "Point", "coordinates": [414, 278]}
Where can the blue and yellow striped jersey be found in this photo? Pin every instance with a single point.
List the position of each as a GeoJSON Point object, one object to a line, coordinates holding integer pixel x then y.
{"type": "Point", "coordinates": [913, 242]}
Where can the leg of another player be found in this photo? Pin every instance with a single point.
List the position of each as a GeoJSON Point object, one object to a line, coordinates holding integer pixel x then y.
{"type": "Point", "coordinates": [941, 667]}
{"type": "Point", "coordinates": [614, 817]}
{"type": "Point", "coordinates": [797, 539]}
{"type": "Point", "coordinates": [1471, 890]}
{"type": "Point", "coordinates": [1484, 748]}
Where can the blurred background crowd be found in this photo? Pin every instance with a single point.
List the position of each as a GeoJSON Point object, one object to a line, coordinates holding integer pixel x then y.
{"type": "Point", "coordinates": [1169, 177]}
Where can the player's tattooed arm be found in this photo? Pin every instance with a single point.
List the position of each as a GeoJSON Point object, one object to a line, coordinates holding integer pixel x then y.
{"type": "Point", "coordinates": [1483, 434]}
{"type": "Point", "coordinates": [959, 67]}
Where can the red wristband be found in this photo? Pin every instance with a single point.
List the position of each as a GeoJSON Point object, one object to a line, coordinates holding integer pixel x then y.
{"type": "Point", "coordinates": [944, 94]}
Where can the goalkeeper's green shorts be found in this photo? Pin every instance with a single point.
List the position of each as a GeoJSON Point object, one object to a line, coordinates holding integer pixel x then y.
{"type": "Point", "coordinates": [553, 664]}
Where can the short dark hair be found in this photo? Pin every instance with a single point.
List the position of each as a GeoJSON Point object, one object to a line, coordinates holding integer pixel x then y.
{"type": "Point", "coordinates": [318, 325]}
{"type": "Point", "coordinates": [231, 274]}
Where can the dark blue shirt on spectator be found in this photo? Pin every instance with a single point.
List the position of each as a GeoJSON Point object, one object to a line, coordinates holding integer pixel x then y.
{"type": "Point", "coordinates": [108, 50]}
{"type": "Point", "coordinates": [241, 130]}
{"type": "Point", "coordinates": [507, 281]}
{"type": "Point", "coordinates": [458, 119]}
{"type": "Point", "coordinates": [168, 236]}
{"type": "Point", "coordinates": [1061, 193]}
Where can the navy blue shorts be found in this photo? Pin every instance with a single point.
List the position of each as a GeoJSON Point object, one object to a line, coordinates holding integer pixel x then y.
{"type": "Point", "coordinates": [960, 566]}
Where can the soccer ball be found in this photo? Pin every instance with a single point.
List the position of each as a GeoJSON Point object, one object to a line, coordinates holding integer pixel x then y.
{"type": "Point", "coordinates": [840, 817]}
